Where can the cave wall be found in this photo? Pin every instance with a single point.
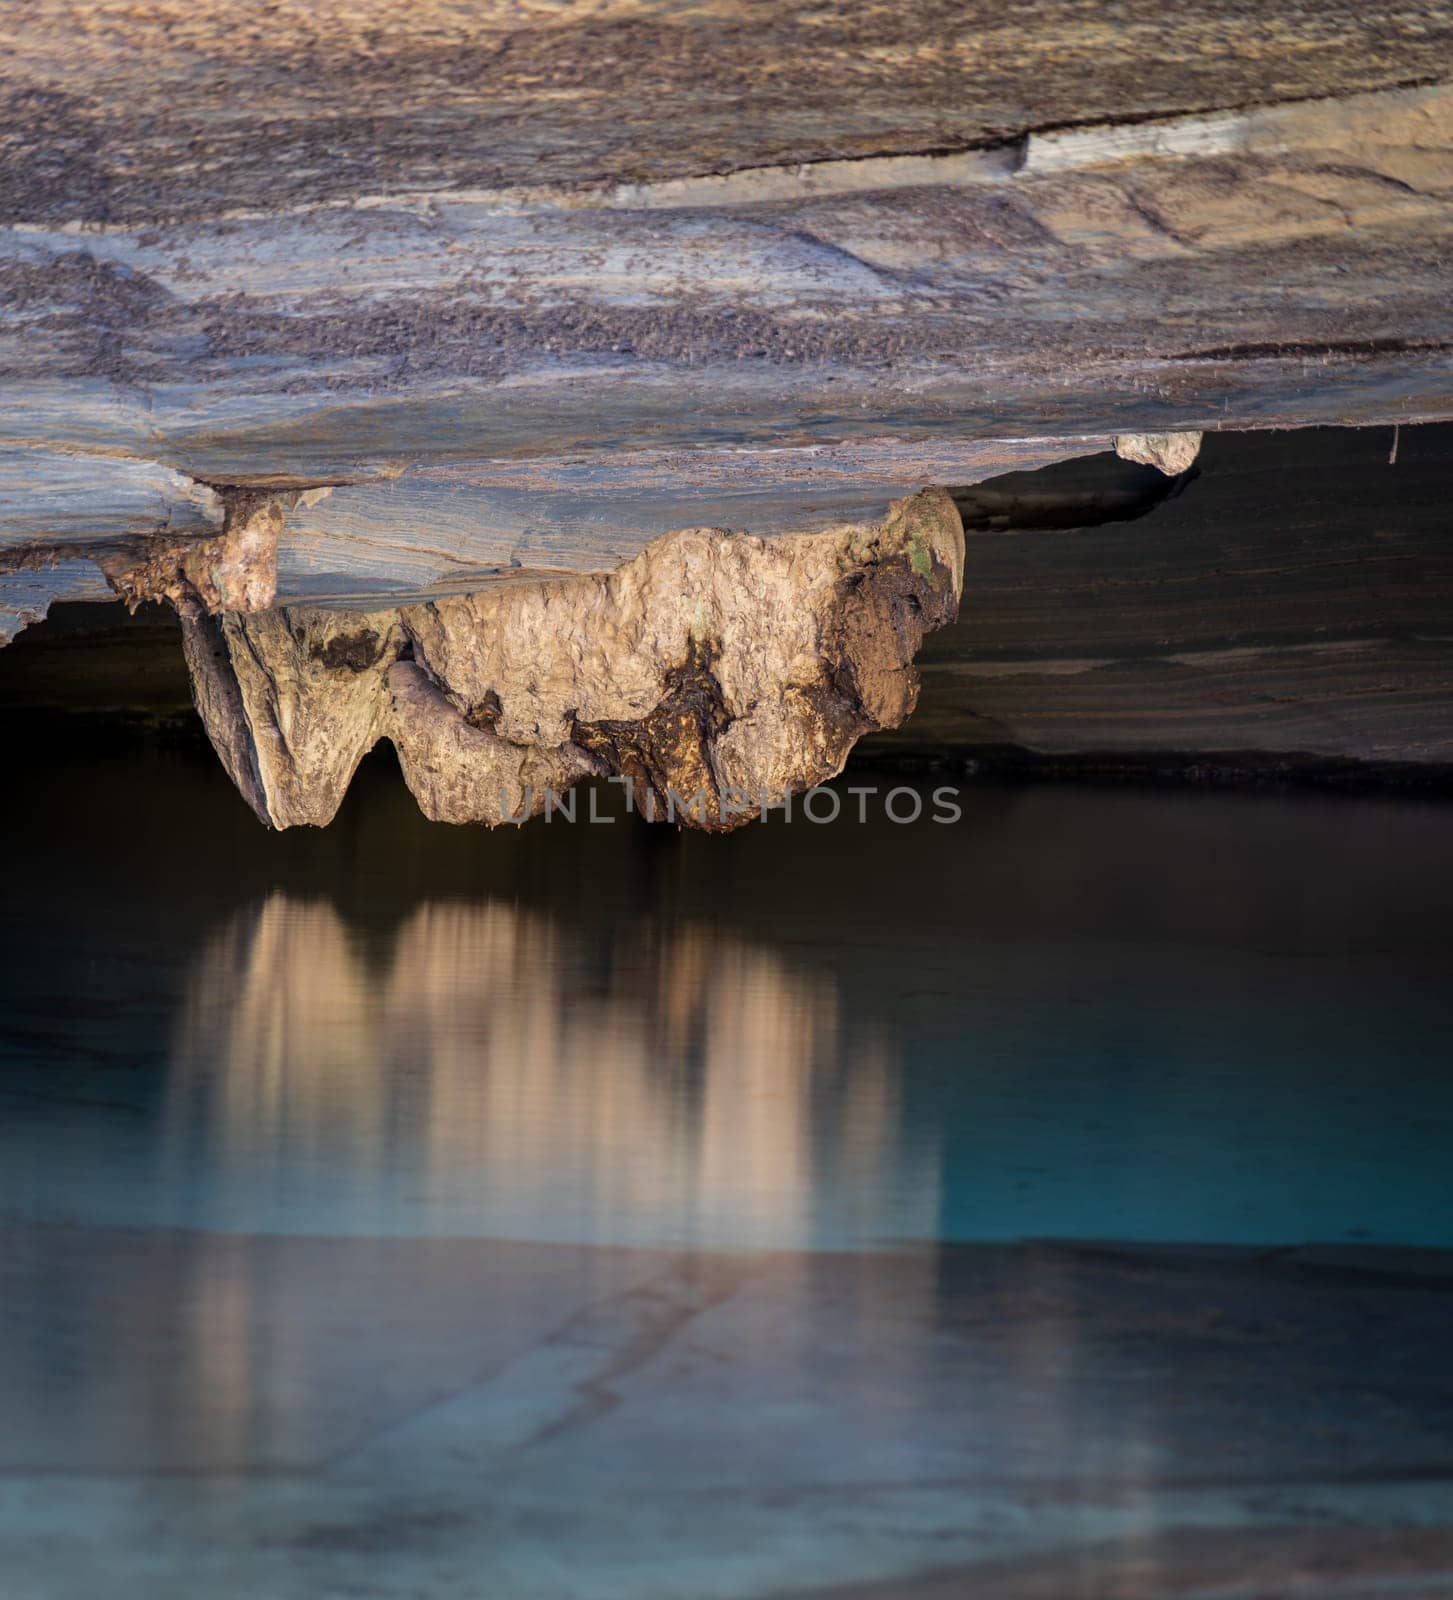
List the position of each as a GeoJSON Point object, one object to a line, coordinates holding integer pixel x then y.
{"type": "Point", "coordinates": [366, 306]}
{"type": "Point", "coordinates": [1288, 607]}
{"type": "Point", "coordinates": [1284, 609]}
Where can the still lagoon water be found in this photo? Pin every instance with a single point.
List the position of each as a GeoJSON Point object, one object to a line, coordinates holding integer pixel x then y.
{"type": "Point", "coordinates": [1055, 1202]}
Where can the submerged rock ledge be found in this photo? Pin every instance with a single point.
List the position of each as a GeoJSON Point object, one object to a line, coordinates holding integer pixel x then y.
{"type": "Point", "coordinates": [714, 672]}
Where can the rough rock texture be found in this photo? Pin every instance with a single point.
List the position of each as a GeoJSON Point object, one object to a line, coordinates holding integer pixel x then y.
{"type": "Point", "coordinates": [136, 531]}
{"type": "Point", "coordinates": [587, 273]}
{"type": "Point", "coordinates": [1172, 453]}
{"type": "Point", "coordinates": [533, 282]}
{"type": "Point", "coordinates": [548, 232]}
{"type": "Point", "coordinates": [395, 537]}
{"type": "Point", "coordinates": [138, 112]}
{"type": "Point", "coordinates": [1281, 266]}
{"type": "Point", "coordinates": [1281, 612]}
{"type": "Point", "coordinates": [292, 702]}
{"type": "Point", "coordinates": [26, 595]}
{"type": "Point", "coordinates": [715, 673]}
{"type": "Point", "coordinates": [234, 571]}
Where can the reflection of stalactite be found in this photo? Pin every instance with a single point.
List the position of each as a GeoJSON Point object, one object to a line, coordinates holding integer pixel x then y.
{"type": "Point", "coordinates": [278, 1031]}
{"type": "Point", "coordinates": [701, 1090]}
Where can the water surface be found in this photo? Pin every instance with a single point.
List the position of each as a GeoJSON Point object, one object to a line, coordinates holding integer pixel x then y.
{"type": "Point", "coordinates": [606, 1211]}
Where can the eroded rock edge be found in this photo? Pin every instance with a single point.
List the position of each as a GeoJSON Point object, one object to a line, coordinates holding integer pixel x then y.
{"type": "Point", "coordinates": [714, 673]}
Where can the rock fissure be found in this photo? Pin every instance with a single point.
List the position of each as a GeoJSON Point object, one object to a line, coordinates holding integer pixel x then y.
{"type": "Point", "coordinates": [999, 153]}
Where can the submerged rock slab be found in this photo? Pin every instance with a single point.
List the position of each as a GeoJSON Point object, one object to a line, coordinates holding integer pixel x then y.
{"type": "Point", "coordinates": [714, 673]}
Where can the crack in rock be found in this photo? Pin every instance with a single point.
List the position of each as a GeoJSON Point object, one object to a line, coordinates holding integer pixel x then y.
{"type": "Point", "coordinates": [715, 674]}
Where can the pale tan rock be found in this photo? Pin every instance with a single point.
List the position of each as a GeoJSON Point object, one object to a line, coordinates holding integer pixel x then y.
{"type": "Point", "coordinates": [1173, 453]}
{"type": "Point", "coordinates": [236, 570]}
{"type": "Point", "coordinates": [459, 772]}
{"type": "Point", "coordinates": [720, 670]}
{"type": "Point", "coordinates": [292, 701]}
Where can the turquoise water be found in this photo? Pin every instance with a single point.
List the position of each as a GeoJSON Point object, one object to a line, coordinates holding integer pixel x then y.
{"type": "Point", "coordinates": [1051, 1206]}
{"type": "Point", "coordinates": [1072, 1014]}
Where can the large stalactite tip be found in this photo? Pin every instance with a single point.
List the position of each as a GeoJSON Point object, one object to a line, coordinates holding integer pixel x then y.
{"type": "Point", "coordinates": [715, 673]}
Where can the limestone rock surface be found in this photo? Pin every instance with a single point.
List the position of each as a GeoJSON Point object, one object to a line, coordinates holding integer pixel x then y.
{"type": "Point", "coordinates": [1172, 453]}
{"type": "Point", "coordinates": [714, 673]}
{"type": "Point", "coordinates": [235, 570]}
